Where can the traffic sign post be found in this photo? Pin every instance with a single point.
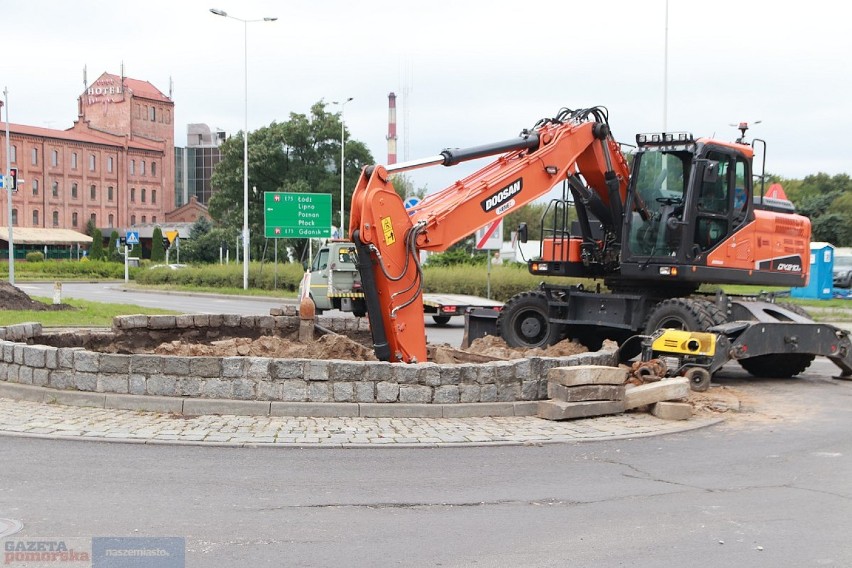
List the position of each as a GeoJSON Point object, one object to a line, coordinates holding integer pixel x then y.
{"type": "Point", "coordinates": [130, 238]}
{"type": "Point", "coordinates": [296, 215]}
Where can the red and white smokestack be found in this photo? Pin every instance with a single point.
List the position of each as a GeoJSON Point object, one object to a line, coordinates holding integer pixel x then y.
{"type": "Point", "coordinates": [391, 128]}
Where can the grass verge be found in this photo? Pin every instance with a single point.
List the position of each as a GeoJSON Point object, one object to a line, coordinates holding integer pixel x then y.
{"type": "Point", "coordinates": [87, 314]}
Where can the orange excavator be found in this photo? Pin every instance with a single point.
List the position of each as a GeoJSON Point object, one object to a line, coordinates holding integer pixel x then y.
{"type": "Point", "coordinates": [685, 214]}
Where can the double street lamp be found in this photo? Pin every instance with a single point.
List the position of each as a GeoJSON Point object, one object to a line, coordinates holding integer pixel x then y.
{"type": "Point", "coordinates": [245, 139]}
{"type": "Point", "coordinates": [342, 161]}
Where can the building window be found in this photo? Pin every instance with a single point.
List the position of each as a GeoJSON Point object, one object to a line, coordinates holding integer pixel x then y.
{"type": "Point", "coordinates": [35, 187]}
{"type": "Point", "coordinates": [143, 195]}
{"type": "Point", "coordinates": [111, 219]}
{"type": "Point", "coordinates": [93, 192]}
{"type": "Point", "coordinates": [74, 161]}
{"type": "Point", "coordinates": [94, 219]}
{"type": "Point", "coordinates": [152, 113]}
{"type": "Point", "coordinates": [153, 168]}
{"type": "Point", "coordinates": [153, 196]}
{"type": "Point", "coordinates": [132, 220]}
{"type": "Point", "coordinates": [74, 219]}
{"type": "Point", "coordinates": [92, 162]}
{"type": "Point", "coordinates": [14, 153]}
{"type": "Point", "coordinates": [133, 195]}
{"type": "Point", "coordinates": [143, 219]}
{"type": "Point", "coordinates": [73, 191]}
{"type": "Point", "coordinates": [15, 217]}
{"type": "Point", "coordinates": [109, 164]}
{"type": "Point", "coordinates": [109, 193]}
{"type": "Point", "coordinates": [35, 217]}
{"type": "Point", "coordinates": [138, 110]}
{"type": "Point", "coordinates": [132, 167]}
{"type": "Point", "coordinates": [142, 168]}
{"type": "Point", "coordinates": [54, 158]}
{"type": "Point", "coordinates": [35, 156]}
{"type": "Point", "coordinates": [54, 189]}
{"type": "Point", "coordinates": [56, 218]}
{"type": "Point", "coordinates": [154, 219]}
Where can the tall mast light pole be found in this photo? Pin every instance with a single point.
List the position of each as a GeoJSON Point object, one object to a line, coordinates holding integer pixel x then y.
{"type": "Point", "coordinates": [245, 138]}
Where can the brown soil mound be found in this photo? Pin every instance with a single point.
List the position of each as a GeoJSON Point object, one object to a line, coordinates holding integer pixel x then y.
{"type": "Point", "coordinates": [326, 347]}
{"type": "Point", "coordinates": [494, 346]}
{"type": "Point", "coordinates": [13, 298]}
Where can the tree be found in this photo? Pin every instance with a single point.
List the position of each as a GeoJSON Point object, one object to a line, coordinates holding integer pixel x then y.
{"type": "Point", "coordinates": [97, 250]}
{"type": "Point", "coordinates": [90, 227]}
{"type": "Point", "coordinates": [112, 252]}
{"type": "Point", "coordinates": [205, 241]}
{"type": "Point", "coordinates": [158, 253]}
{"type": "Point", "coordinates": [302, 154]}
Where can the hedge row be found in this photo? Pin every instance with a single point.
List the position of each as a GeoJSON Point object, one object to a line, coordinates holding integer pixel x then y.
{"type": "Point", "coordinates": [261, 276]}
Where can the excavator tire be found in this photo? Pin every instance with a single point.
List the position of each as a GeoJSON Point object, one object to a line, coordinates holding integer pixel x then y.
{"type": "Point", "coordinates": [684, 313]}
{"type": "Point", "coordinates": [777, 366]}
{"type": "Point", "coordinates": [795, 308]}
{"type": "Point", "coordinates": [524, 322]}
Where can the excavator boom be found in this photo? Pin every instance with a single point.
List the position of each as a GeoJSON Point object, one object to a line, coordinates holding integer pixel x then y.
{"type": "Point", "coordinates": [389, 237]}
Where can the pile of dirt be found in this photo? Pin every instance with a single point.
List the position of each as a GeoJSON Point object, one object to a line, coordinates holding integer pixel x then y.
{"type": "Point", "coordinates": [13, 298]}
{"type": "Point", "coordinates": [326, 347]}
{"type": "Point", "coordinates": [342, 347]}
{"type": "Point", "coordinates": [494, 346]}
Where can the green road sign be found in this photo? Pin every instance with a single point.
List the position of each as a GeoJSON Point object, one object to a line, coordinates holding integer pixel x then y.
{"type": "Point", "coordinates": [296, 215]}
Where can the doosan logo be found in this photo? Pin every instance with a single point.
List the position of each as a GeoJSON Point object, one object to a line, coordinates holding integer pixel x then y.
{"type": "Point", "coordinates": [788, 267]}
{"type": "Point", "coordinates": [498, 198]}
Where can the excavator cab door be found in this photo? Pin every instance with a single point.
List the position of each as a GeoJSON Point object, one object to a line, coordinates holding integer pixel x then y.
{"type": "Point", "coordinates": [720, 202]}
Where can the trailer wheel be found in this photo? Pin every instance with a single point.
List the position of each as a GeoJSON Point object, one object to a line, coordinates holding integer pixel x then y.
{"type": "Point", "coordinates": [441, 320]}
{"type": "Point", "coordinates": [359, 308]}
{"type": "Point", "coordinates": [699, 379]}
{"type": "Point", "coordinates": [525, 322]}
{"type": "Point", "coordinates": [779, 366]}
{"type": "Point", "coordinates": [684, 313]}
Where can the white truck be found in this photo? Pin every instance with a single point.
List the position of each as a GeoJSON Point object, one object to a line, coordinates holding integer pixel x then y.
{"type": "Point", "coordinates": [335, 284]}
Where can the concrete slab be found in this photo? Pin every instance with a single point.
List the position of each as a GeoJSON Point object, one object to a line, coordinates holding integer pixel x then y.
{"type": "Point", "coordinates": [672, 410]}
{"type": "Point", "coordinates": [667, 389]}
{"type": "Point", "coordinates": [585, 392]}
{"type": "Point", "coordinates": [587, 375]}
{"type": "Point", "coordinates": [561, 410]}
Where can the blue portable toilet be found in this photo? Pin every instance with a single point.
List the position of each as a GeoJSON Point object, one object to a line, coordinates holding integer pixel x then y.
{"type": "Point", "coordinates": [820, 284]}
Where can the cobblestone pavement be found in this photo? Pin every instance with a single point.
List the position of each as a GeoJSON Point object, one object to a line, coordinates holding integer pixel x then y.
{"type": "Point", "coordinates": [22, 418]}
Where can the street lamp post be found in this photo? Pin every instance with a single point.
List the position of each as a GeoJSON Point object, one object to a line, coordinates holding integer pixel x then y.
{"type": "Point", "coordinates": [342, 160]}
{"type": "Point", "coordinates": [9, 190]}
{"type": "Point", "coordinates": [245, 138]}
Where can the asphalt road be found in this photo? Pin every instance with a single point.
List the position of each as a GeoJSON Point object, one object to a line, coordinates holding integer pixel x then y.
{"type": "Point", "coordinates": [767, 488]}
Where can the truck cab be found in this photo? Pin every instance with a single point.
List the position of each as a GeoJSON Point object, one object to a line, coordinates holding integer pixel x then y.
{"type": "Point", "coordinates": [334, 280]}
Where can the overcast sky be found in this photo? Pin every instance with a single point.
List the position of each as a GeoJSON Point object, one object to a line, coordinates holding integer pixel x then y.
{"type": "Point", "coordinates": [465, 73]}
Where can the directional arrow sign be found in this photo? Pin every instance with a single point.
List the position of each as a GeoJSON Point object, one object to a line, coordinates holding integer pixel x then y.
{"type": "Point", "coordinates": [132, 237]}
{"type": "Point", "coordinates": [297, 215]}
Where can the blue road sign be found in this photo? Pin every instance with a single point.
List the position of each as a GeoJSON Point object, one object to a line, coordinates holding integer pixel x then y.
{"type": "Point", "coordinates": [411, 202]}
{"type": "Point", "coordinates": [132, 237]}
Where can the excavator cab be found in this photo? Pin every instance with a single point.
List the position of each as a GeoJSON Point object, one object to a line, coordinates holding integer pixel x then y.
{"type": "Point", "coordinates": [689, 202]}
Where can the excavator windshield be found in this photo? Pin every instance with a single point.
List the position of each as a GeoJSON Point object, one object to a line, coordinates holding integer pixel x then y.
{"type": "Point", "coordinates": [660, 179]}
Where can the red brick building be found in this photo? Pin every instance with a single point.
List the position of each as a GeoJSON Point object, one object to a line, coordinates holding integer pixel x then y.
{"type": "Point", "coordinates": [115, 165]}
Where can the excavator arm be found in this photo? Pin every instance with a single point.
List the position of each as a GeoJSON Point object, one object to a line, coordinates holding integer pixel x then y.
{"type": "Point", "coordinates": [389, 237]}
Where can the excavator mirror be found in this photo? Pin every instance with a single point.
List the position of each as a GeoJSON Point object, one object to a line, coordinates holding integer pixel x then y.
{"type": "Point", "coordinates": [523, 232]}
